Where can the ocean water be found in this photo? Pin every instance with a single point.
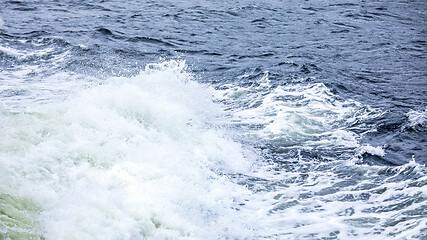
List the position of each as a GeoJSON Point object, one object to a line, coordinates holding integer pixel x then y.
{"type": "Point", "coordinates": [213, 119]}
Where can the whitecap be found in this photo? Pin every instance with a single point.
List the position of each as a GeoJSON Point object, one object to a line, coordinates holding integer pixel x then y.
{"type": "Point", "coordinates": [379, 151]}
{"type": "Point", "coordinates": [417, 118]}
{"type": "Point", "coordinates": [307, 114]}
{"type": "Point", "coordinates": [133, 158]}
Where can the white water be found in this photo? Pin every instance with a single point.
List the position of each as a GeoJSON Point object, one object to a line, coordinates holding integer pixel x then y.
{"type": "Point", "coordinates": [133, 158]}
{"type": "Point", "coordinates": [299, 115]}
{"type": "Point", "coordinates": [417, 118]}
{"type": "Point", "coordinates": [326, 198]}
{"type": "Point", "coordinates": [146, 157]}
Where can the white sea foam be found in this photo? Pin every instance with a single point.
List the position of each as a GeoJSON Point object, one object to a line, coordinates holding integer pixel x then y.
{"type": "Point", "coordinates": [320, 204]}
{"type": "Point", "coordinates": [23, 54]}
{"type": "Point", "coordinates": [306, 115]}
{"type": "Point", "coordinates": [144, 158]}
{"type": "Point", "coordinates": [132, 158]}
{"type": "Point", "coordinates": [315, 199]}
{"type": "Point", "coordinates": [10, 51]}
{"type": "Point", "coordinates": [417, 118]}
{"type": "Point", "coordinates": [379, 151]}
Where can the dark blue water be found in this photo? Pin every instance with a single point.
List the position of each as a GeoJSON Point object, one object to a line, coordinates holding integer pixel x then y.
{"type": "Point", "coordinates": [304, 84]}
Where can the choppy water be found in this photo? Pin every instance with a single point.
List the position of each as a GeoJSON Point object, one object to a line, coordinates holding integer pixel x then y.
{"type": "Point", "coordinates": [213, 120]}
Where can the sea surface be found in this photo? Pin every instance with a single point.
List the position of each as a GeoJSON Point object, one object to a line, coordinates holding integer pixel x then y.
{"type": "Point", "coordinates": [210, 119]}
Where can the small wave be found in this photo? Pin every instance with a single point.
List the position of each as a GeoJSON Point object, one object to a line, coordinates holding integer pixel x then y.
{"type": "Point", "coordinates": [41, 49]}
{"type": "Point", "coordinates": [151, 40]}
{"type": "Point", "coordinates": [301, 114]}
{"type": "Point", "coordinates": [379, 151]}
{"type": "Point", "coordinates": [417, 118]}
{"type": "Point", "coordinates": [11, 52]}
{"type": "Point", "coordinates": [21, 54]}
{"type": "Point", "coordinates": [105, 31]}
